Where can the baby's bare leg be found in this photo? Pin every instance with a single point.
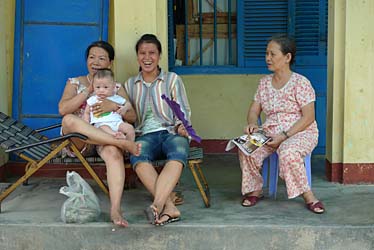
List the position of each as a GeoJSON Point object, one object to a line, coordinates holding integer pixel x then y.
{"type": "Point", "coordinates": [107, 129]}
{"type": "Point", "coordinates": [128, 130]}
{"type": "Point", "coordinates": [117, 135]}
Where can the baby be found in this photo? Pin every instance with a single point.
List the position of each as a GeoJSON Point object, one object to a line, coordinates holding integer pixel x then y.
{"type": "Point", "coordinates": [111, 122]}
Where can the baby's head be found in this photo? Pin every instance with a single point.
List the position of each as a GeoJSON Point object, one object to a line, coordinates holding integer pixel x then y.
{"type": "Point", "coordinates": [103, 83]}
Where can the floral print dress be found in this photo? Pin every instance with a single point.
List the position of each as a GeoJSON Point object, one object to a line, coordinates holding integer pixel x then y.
{"type": "Point", "coordinates": [282, 108]}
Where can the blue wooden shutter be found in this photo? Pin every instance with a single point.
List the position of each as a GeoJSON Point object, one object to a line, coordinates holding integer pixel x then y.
{"type": "Point", "coordinates": [310, 31]}
{"type": "Point", "coordinates": [257, 22]}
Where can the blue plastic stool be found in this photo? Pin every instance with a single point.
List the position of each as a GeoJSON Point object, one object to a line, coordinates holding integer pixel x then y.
{"type": "Point", "coordinates": [270, 168]}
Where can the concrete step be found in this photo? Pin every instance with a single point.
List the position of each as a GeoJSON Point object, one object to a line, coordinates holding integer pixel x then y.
{"type": "Point", "coordinates": [30, 217]}
{"type": "Point", "coordinates": [184, 236]}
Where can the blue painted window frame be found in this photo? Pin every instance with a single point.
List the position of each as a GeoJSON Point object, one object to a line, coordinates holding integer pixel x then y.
{"type": "Point", "coordinates": [257, 21]}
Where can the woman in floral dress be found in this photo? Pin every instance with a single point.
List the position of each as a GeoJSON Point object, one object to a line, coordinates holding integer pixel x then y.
{"type": "Point", "coordinates": [287, 100]}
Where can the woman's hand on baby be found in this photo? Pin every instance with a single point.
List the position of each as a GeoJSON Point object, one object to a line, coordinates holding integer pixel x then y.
{"type": "Point", "coordinates": [103, 106]}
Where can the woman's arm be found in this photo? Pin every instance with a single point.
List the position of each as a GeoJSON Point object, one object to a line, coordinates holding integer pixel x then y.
{"type": "Point", "coordinates": [252, 117]}
{"type": "Point", "coordinates": [70, 100]}
{"type": "Point", "coordinates": [303, 123]}
{"type": "Point", "coordinates": [307, 118]}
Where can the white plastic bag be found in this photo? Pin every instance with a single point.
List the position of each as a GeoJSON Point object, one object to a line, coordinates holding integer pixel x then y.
{"type": "Point", "coordinates": [82, 205]}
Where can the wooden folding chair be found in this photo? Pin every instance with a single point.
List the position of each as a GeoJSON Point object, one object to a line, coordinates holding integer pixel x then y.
{"type": "Point", "coordinates": [195, 158]}
{"type": "Point", "coordinates": [36, 149]}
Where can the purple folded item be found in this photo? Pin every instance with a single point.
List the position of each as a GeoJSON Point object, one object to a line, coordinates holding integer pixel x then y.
{"type": "Point", "coordinates": [180, 115]}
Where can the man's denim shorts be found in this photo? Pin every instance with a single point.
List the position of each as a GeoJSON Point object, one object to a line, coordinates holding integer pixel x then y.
{"type": "Point", "coordinates": [161, 145]}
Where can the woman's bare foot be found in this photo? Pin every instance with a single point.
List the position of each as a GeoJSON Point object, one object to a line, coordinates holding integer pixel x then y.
{"type": "Point", "coordinates": [135, 150]}
{"type": "Point", "coordinates": [132, 147]}
{"type": "Point", "coordinates": [246, 202]}
{"type": "Point", "coordinates": [309, 197]}
{"type": "Point", "coordinates": [118, 220]}
{"type": "Point", "coordinates": [151, 213]}
{"type": "Point", "coordinates": [313, 203]}
{"type": "Point", "coordinates": [169, 212]}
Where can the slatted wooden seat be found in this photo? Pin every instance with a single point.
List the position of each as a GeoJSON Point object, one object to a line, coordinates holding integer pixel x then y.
{"type": "Point", "coordinates": [36, 149]}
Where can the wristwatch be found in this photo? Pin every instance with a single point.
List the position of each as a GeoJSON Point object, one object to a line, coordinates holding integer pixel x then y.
{"type": "Point", "coordinates": [285, 134]}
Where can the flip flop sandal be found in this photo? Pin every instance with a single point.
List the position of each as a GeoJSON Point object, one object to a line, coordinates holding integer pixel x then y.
{"type": "Point", "coordinates": [252, 199]}
{"type": "Point", "coordinates": [313, 206]}
{"type": "Point", "coordinates": [151, 214]}
{"type": "Point", "coordinates": [169, 220]}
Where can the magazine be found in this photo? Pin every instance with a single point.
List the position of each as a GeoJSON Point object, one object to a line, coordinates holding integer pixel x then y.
{"type": "Point", "coordinates": [248, 143]}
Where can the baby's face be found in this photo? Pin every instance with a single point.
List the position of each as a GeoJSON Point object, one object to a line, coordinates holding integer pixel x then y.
{"type": "Point", "coordinates": [103, 87]}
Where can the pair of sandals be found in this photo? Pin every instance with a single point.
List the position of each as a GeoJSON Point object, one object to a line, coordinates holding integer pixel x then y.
{"type": "Point", "coordinates": [250, 200]}
{"type": "Point", "coordinates": [152, 215]}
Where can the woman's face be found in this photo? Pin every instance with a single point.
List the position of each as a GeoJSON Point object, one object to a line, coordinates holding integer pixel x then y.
{"type": "Point", "coordinates": [148, 57]}
{"type": "Point", "coordinates": [275, 59]}
{"type": "Point", "coordinates": [97, 58]}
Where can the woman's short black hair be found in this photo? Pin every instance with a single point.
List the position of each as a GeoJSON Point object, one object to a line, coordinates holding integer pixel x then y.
{"type": "Point", "coordinates": [104, 45]}
{"type": "Point", "coordinates": [287, 45]}
{"type": "Point", "coordinates": [148, 38]}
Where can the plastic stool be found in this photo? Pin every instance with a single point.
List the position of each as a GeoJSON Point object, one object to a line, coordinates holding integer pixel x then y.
{"type": "Point", "coordinates": [270, 168]}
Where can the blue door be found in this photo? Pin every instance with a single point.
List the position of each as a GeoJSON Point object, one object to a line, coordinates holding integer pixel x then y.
{"type": "Point", "coordinates": [50, 41]}
{"type": "Point", "coordinates": [317, 75]}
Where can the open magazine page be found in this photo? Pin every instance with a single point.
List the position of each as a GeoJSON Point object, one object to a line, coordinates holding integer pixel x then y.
{"type": "Point", "coordinates": [248, 143]}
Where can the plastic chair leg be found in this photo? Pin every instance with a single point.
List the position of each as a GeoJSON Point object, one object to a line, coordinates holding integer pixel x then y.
{"type": "Point", "coordinates": [265, 172]}
{"type": "Point", "coordinates": [273, 175]}
{"type": "Point", "coordinates": [308, 169]}
{"type": "Point", "coordinates": [271, 168]}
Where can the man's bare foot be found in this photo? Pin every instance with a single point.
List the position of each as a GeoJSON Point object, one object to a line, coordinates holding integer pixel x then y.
{"type": "Point", "coordinates": [118, 220]}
